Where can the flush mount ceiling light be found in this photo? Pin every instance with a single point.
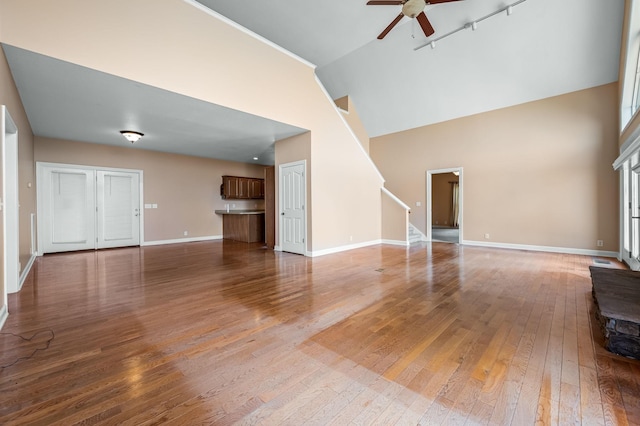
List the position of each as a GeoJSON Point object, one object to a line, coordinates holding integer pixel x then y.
{"type": "Point", "coordinates": [131, 135]}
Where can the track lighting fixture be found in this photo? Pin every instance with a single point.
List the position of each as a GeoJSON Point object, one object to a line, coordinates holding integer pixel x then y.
{"type": "Point", "coordinates": [473, 25]}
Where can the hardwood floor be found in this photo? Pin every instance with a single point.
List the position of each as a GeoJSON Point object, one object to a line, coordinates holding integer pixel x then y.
{"type": "Point", "coordinates": [225, 332]}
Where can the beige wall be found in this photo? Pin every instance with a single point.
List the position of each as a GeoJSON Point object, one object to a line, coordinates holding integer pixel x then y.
{"type": "Point", "coordinates": [534, 174]}
{"type": "Point", "coordinates": [350, 114]}
{"type": "Point", "coordinates": [441, 195]}
{"type": "Point", "coordinates": [181, 49]}
{"type": "Point", "coordinates": [186, 189]}
{"type": "Point", "coordinates": [395, 220]}
{"type": "Point", "coordinates": [26, 172]}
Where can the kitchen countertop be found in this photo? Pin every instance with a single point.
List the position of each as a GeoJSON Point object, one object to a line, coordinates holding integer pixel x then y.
{"type": "Point", "coordinates": [239, 212]}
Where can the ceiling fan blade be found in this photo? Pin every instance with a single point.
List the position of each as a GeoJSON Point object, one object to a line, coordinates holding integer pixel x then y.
{"type": "Point", "coordinates": [390, 27]}
{"type": "Point", "coordinates": [425, 24]}
{"type": "Point", "coordinates": [439, 1]}
{"type": "Point", "coordinates": [384, 2]}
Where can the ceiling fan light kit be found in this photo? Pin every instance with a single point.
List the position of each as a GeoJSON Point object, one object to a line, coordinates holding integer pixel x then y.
{"type": "Point", "coordinates": [411, 9]}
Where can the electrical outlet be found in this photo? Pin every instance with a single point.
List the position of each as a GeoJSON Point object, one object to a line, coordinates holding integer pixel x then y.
{"type": "Point", "coordinates": [599, 243]}
{"type": "Point", "coordinates": [486, 236]}
{"type": "Point", "coordinates": [185, 233]}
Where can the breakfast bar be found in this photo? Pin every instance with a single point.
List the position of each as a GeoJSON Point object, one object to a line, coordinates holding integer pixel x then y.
{"type": "Point", "coordinates": [242, 225]}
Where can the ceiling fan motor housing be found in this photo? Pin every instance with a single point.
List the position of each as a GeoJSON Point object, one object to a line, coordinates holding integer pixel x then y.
{"type": "Point", "coordinates": [413, 7]}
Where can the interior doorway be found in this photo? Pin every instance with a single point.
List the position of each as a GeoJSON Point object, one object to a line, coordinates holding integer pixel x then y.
{"type": "Point", "coordinates": [444, 205]}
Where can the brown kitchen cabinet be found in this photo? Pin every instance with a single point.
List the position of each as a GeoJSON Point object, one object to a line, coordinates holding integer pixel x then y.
{"type": "Point", "coordinates": [236, 187]}
{"type": "Point", "coordinates": [256, 188]}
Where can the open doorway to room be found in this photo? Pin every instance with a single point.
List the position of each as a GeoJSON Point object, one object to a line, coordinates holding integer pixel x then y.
{"type": "Point", "coordinates": [444, 205]}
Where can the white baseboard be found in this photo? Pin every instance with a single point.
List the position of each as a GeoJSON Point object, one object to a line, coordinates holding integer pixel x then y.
{"type": "Point", "coordinates": [25, 272]}
{"type": "Point", "coordinates": [181, 240]}
{"type": "Point", "coordinates": [550, 249]}
{"type": "Point", "coordinates": [4, 314]}
{"type": "Point", "coordinates": [396, 242]}
{"type": "Point", "coordinates": [277, 248]}
{"type": "Point", "coordinates": [342, 248]}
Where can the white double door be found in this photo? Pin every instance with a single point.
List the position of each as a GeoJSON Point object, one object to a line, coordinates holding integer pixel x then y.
{"type": "Point", "coordinates": [85, 208]}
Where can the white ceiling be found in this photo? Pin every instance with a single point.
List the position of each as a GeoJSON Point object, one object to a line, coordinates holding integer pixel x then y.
{"type": "Point", "coordinates": [545, 48]}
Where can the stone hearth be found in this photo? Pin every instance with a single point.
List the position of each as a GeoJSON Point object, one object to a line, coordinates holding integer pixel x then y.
{"type": "Point", "coordinates": [617, 296]}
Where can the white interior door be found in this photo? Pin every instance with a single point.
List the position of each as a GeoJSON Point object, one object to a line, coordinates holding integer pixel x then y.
{"type": "Point", "coordinates": [118, 212]}
{"type": "Point", "coordinates": [292, 207]}
{"type": "Point", "coordinates": [68, 210]}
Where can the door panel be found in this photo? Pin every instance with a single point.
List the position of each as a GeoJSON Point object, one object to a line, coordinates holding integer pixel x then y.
{"type": "Point", "coordinates": [69, 201]}
{"type": "Point", "coordinates": [118, 214]}
{"type": "Point", "coordinates": [293, 217]}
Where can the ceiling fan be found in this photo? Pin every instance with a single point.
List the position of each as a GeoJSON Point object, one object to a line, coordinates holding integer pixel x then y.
{"type": "Point", "coordinates": [411, 9]}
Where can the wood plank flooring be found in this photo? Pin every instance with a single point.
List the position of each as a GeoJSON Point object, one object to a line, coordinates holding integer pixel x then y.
{"type": "Point", "coordinates": [231, 333]}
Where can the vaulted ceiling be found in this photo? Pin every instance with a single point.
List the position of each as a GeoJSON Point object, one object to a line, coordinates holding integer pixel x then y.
{"type": "Point", "coordinates": [544, 48]}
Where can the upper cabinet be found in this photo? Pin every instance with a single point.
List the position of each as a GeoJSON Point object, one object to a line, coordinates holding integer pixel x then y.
{"type": "Point", "coordinates": [256, 188]}
{"type": "Point", "coordinates": [235, 187]}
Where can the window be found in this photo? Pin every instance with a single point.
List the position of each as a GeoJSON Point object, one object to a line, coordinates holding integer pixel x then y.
{"type": "Point", "coordinates": [630, 101]}
{"type": "Point", "coordinates": [635, 104]}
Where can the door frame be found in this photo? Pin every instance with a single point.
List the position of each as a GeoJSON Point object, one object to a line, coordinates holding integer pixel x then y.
{"type": "Point", "coordinates": [41, 165]}
{"type": "Point", "coordinates": [302, 163]}
{"type": "Point", "coordinates": [429, 199]}
{"type": "Point", "coordinates": [10, 205]}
